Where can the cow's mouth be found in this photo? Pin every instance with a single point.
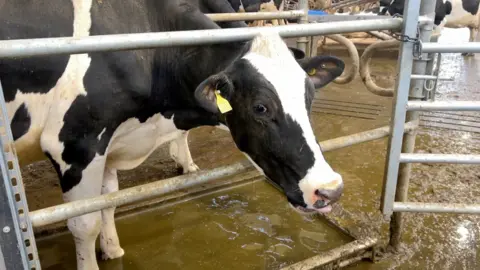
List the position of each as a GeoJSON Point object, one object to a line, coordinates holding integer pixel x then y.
{"type": "Point", "coordinates": [303, 210]}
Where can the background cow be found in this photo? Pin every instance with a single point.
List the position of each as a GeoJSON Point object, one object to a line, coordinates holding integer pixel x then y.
{"type": "Point", "coordinates": [451, 14]}
{"type": "Point", "coordinates": [93, 114]}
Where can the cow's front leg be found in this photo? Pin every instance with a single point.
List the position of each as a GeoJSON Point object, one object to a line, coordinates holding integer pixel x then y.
{"type": "Point", "coordinates": [180, 153]}
{"type": "Point", "coordinates": [109, 242]}
{"type": "Point", "coordinates": [81, 181]}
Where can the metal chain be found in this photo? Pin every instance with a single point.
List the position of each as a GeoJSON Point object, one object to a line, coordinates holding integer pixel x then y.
{"type": "Point", "coordinates": [417, 47]}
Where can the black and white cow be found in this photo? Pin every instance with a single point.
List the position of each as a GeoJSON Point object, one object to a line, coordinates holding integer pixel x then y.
{"type": "Point", "coordinates": [252, 5]}
{"type": "Point", "coordinates": [93, 114]}
{"type": "Point", "coordinates": [392, 7]}
{"type": "Point", "coordinates": [451, 14]}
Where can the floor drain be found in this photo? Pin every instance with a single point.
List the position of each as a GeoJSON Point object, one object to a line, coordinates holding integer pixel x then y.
{"type": "Point", "coordinates": [360, 110]}
{"type": "Point", "coordinates": [460, 121]}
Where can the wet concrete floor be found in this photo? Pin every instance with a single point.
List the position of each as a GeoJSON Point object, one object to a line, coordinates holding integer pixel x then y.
{"type": "Point", "coordinates": [251, 227]}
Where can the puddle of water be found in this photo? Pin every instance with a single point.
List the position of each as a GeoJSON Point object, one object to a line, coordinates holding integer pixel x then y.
{"type": "Point", "coordinates": [250, 227]}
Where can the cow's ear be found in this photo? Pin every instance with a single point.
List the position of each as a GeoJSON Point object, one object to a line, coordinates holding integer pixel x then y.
{"type": "Point", "coordinates": [298, 54]}
{"type": "Point", "coordinates": [214, 93]}
{"type": "Point", "coordinates": [322, 69]}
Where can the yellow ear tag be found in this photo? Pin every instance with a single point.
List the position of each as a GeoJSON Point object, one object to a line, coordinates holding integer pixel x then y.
{"type": "Point", "coordinates": [312, 72]}
{"type": "Point", "coordinates": [223, 104]}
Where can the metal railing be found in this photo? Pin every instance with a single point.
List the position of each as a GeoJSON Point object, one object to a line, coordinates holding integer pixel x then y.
{"type": "Point", "coordinates": [408, 102]}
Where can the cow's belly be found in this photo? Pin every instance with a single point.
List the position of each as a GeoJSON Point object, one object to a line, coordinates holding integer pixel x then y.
{"type": "Point", "coordinates": [461, 21]}
{"type": "Point", "coordinates": [133, 141]}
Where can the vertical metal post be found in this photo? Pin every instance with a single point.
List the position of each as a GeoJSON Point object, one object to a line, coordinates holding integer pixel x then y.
{"type": "Point", "coordinates": [17, 241]}
{"type": "Point", "coordinates": [303, 41]}
{"type": "Point", "coordinates": [432, 84]}
{"type": "Point", "coordinates": [397, 175]}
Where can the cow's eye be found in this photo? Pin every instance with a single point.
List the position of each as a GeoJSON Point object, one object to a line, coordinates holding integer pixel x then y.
{"type": "Point", "coordinates": [260, 109]}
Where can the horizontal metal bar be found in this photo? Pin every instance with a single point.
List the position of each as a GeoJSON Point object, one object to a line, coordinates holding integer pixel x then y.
{"type": "Point", "coordinates": [71, 45]}
{"type": "Point", "coordinates": [440, 158]}
{"type": "Point", "coordinates": [429, 77]}
{"type": "Point", "coordinates": [252, 16]}
{"type": "Point", "coordinates": [68, 210]}
{"type": "Point", "coordinates": [332, 255]}
{"type": "Point", "coordinates": [466, 47]}
{"type": "Point", "coordinates": [443, 106]}
{"type": "Point", "coordinates": [76, 208]}
{"type": "Point", "coordinates": [361, 137]}
{"type": "Point", "coordinates": [419, 207]}
{"type": "Point", "coordinates": [338, 18]}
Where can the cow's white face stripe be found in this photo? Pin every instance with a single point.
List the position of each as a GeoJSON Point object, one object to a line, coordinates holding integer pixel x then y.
{"type": "Point", "coordinates": [274, 61]}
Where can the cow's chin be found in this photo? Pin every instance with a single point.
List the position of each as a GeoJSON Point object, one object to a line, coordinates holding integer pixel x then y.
{"type": "Point", "coordinates": [307, 211]}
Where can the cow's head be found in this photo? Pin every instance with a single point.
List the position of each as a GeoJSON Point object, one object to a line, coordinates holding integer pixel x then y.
{"type": "Point", "coordinates": [270, 94]}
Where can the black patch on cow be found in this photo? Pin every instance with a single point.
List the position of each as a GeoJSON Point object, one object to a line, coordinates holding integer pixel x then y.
{"type": "Point", "coordinates": [448, 8]}
{"type": "Point", "coordinates": [21, 122]}
{"type": "Point", "coordinates": [53, 18]}
{"type": "Point", "coordinates": [56, 166]}
{"type": "Point", "coordinates": [471, 6]}
{"type": "Point", "coordinates": [441, 9]}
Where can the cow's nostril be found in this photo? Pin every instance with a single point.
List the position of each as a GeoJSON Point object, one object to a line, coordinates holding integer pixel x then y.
{"type": "Point", "coordinates": [319, 204]}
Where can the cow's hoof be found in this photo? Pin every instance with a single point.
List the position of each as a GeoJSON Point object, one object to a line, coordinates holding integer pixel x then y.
{"type": "Point", "coordinates": [191, 168]}
{"type": "Point", "coordinates": [113, 254]}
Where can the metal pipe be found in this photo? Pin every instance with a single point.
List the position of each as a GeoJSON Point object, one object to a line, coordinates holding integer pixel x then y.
{"type": "Point", "coordinates": [429, 77]}
{"type": "Point", "coordinates": [361, 137]}
{"type": "Point", "coordinates": [440, 158]}
{"type": "Point", "coordinates": [443, 106]}
{"type": "Point", "coordinates": [253, 16]}
{"type": "Point", "coordinates": [71, 45]}
{"type": "Point", "coordinates": [68, 210]}
{"type": "Point", "coordinates": [302, 41]}
{"type": "Point", "coordinates": [64, 211]}
{"type": "Point", "coordinates": [419, 207]}
{"type": "Point", "coordinates": [468, 47]}
{"type": "Point", "coordinates": [397, 176]}
{"type": "Point", "coordinates": [380, 35]}
{"type": "Point", "coordinates": [430, 89]}
{"type": "Point", "coordinates": [333, 254]}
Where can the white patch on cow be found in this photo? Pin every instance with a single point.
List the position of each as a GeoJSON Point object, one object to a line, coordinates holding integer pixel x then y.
{"type": "Point", "coordinates": [272, 58]}
{"type": "Point", "coordinates": [99, 137]}
{"type": "Point", "coordinates": [28, 146]}
{"type": "Point", "coordinates": [69, 86]}
{"type": "Point", "coordinates": [132, 142]}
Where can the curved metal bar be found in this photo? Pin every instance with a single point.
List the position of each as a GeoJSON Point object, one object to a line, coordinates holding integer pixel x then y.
{"type": "Point", "coordinates": [365, 67]}
{"type": "Point", "coordinates": [349, 75]}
